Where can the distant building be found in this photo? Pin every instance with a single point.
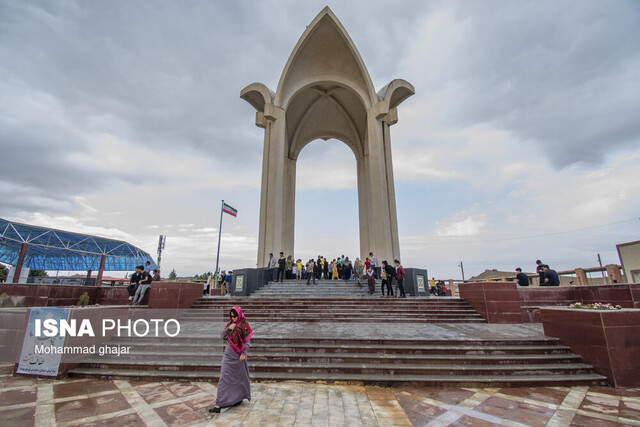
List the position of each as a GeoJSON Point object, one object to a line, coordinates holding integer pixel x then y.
{"type": "Point", "coordinates": [494, 275]}
{"type": "Point", "coordinates": [629, 254]}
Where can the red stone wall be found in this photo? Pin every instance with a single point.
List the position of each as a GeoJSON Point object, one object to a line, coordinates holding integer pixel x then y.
{"type": "Point", "coordinates": [65, 295]}
{"type": "Point", "coordinates": [624, 295]}
{"type": "Point", "coordinates": [608, 340]}
{"type": "Point", "coordinates": [174, 294]}
{"type": "Point", "coordinates": [497, 302]}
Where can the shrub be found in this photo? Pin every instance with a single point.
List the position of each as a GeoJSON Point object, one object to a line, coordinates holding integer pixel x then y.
{"type": "Point", "coordinates": [84, 299]}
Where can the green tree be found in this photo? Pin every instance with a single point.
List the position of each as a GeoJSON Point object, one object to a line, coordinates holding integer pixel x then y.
{"type": "Point", "coordinates": [203, 276]}
{"type": "Point", "coordinates": [38, 273]}
{"type": "Point", "coordinates": [3, 273]}
{"type": "Point", "coordinates": [173, 275]}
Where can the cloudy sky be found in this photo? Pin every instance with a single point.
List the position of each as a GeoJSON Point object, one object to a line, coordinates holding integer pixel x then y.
{"type": "Point", "coordinates": [123, 119]}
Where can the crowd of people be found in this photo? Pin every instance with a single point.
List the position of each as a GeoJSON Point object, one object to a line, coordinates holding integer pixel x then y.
{"type": "Point", "coordinates": [220, 281]}
{"type": "Point", "coordinates": [340, 268]}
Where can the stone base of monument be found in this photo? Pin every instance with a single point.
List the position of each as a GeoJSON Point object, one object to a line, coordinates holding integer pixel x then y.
{"type": "Point", "coordinates": [257, 282]}
{"type": "Point", "coordinates": [472, 363]}
{"type": "Point", "coordinates": [370, 341]}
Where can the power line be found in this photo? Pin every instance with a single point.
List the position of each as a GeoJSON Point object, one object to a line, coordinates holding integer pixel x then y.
{"type": "Point", "coordinates": [532, 236]}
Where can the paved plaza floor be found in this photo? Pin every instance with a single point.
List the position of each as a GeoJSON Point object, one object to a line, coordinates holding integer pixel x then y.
{"type": "Point", "coordinates": [28, 401]}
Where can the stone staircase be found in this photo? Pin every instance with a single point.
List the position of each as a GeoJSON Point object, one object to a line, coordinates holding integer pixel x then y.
{"type": "Point", "coordinates": [427, 341]}
{"type": "Point", "coordinates": [472, 363]}
{"type": "Point", "coordinates": [277, 309]}
{"type": "Point", "coordinates": [322, 289]}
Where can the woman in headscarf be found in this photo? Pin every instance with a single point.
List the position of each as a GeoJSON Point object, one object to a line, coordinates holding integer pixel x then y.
{"type": "Point", "coordinates": [358, 271]}
{"type": "Point", "coordinates": [234, 385]}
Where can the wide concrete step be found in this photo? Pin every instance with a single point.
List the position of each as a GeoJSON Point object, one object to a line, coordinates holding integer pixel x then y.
{"type": "Point", "coordinates": [184, 355]}
{"type": "Point", "coordinates": [349, 342]}
{"type": "Point", "coordinates": [223, 314]}
{"type": "Point", "coordinates": [345, 367]}
{"type": "Point", "coordinates": [425, 380]}
{"type": "Point", "coordinates": [350, 302]}
{"type": "Point", "coordinates": [201, 345]}
{"type": "Point", "coordinates": [322, 308]}
{"type": "Point", "coordinates": [371, 319]}
{"type": "Point", "coordinates": [378, 301]}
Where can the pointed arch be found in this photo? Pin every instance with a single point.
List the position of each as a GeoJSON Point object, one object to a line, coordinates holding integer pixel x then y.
{"type": "Point", "coordinates": [324, 52]}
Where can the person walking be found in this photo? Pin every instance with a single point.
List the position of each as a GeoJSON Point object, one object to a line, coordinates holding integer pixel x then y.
{"type": "Point", "coordinates": [299, 269]}
{"type": "Point", "coordinates": [358, 268]}
{"type": "Point", "coordinates": [282, 264]}
{"type": "Point", "coordinates": [234, 384]}
{"type": "Point", "coordinates": [383, 276]}
{"type": "Point", "coordinates": [374, 262]}
{"type": "Point", "coordinates": [289, 267]}
{"type": "Point", "coordinates": [390, 272]}
{"type": "Point", "coordinates": [371, 281]}
{"type": "Point", "coordinates": [334, 270]}
{"type": "Point", "coordinates": [400, 278]}
{"type": "Point", "coordinates": [311, 271]}
{"type": "Point", "coordinates": [272, 267]}
{"type": "Point", "coordinates": [432, 285]}
{"type": "Point", "coordinates": [346, 269]}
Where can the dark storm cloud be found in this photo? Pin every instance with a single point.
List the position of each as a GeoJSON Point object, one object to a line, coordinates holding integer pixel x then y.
{"type": "Point", "coordinates": [564, 76]}
{"type": "Point", "coordinates": [156, 74]}
{"type": "Point", "coordinates": [166, 76]}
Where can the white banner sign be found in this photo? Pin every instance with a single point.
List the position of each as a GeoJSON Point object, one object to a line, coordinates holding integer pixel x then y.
{"type": "Point", "coordinates": [33, 360]}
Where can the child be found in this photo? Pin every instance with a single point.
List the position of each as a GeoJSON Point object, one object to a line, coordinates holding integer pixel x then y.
{"type": "Point", "coordinates": [371, 281]}
{"type": "Point", "coordinates": [299, 269]}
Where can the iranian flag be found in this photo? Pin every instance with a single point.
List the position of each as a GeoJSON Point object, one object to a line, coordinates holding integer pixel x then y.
{"type": "Point", "coordinates": [228, 209]}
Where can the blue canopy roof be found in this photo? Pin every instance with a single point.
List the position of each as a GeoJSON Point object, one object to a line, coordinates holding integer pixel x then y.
{"type": "Point", "coordinates": [49, 249]}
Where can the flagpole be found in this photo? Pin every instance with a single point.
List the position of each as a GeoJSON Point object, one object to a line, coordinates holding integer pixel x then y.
{"type": "Point", "coordinates": [219, 236]}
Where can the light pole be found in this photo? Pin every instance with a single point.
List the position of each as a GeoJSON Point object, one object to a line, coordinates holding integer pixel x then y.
{"type": "Point", "coordinates": [161, 241]}
{"type": "Point", "coordinates": [462, 269]}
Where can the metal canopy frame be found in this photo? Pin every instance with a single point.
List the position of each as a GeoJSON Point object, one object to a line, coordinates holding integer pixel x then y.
{"type": "Point", "coordinates": [50, 249]}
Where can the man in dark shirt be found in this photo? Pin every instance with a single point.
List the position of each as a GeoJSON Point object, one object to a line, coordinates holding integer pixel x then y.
{"type": "Point", "coordinates": [550, 277]}
{"type": "Point", "coordinates": [143, 285]}
{"type": "Point", "coordinates": [282, 263]}
{"type": "Point", "coordinates": [134, 282]}
{"type": "Point", "coordinates": [540, 271]}
{"type": "Point", "coordinates": [523, 279]}
{"type": "Point", "coordinates": [390, 272]}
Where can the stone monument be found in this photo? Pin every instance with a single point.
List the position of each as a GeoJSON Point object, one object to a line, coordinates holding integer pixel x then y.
{"type": "Point", "coordinates": [325, 91]}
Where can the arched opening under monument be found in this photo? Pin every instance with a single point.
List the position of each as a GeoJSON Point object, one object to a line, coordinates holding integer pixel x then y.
{"type": "Point", "coordinates": [326, 201]}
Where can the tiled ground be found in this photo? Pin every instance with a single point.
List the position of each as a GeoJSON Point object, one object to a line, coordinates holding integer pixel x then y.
{"type": "Point", "coordinates": [27, 401]}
